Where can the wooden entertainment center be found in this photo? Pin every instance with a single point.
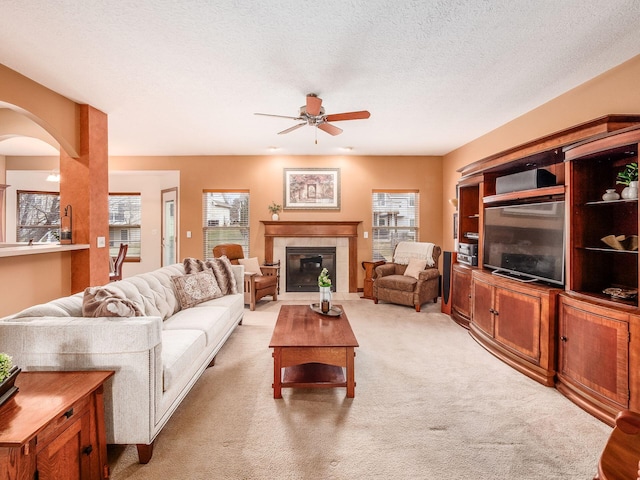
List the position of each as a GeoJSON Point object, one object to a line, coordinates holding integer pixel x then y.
{"type": "Point", "coordinates": [577, 338]}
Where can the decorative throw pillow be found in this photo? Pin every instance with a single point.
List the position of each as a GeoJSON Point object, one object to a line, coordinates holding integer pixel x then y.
{"type": "Point", "coordinates": [102, 302]}
{"type": "Point", "coordinates": [196, 288]}
{"type": "Point", "coordinates": [414, 267]}
{"type": "Point", "coordinates": [251, 265]}
{"type": "Point", "coordinates": [221, 269]}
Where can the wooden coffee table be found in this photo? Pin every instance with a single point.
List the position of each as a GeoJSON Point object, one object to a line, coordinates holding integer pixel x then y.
{"type": "Point", "coordinates": [312, 349]}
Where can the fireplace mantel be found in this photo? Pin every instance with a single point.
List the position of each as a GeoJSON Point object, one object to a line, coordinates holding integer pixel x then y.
{"type": "Point", "coordinates": [282, 228]}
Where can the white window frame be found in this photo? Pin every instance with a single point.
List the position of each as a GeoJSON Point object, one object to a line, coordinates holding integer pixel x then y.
{"type": "Point", "coordinates": [131, 225]}
{"type": "Point", "coordinates": [395, 218]}
{"type": "Point", "coordinates": [47, 223]}
{"type": "Point", "coordinates": [225, 219]}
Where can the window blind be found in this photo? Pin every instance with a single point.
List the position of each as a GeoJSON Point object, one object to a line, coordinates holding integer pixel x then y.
{"type": "Point", "coordinates": [395, 219]}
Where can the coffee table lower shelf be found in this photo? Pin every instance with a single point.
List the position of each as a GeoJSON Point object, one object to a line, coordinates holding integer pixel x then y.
{"type": "Point", "coordinates": [313, 375]}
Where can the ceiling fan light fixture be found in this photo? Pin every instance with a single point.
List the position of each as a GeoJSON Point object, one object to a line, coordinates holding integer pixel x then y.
{"type": "Point", "coordinates": [312, 114]}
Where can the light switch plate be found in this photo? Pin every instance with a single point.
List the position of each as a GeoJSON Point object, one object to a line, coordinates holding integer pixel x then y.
{"type": "Point", "coordinates": [101, 242]}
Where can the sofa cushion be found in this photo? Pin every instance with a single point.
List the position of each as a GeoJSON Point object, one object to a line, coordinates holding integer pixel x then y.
{"type": "Point", "coordinates": [180, 349]}
{"type": "Point", "coordinates": [210, 319]}
{"type": "Point", "coordinates": [102, 302]}
{"type": "Point", "coordinates": [403, 283]}
{"type": "Point", "coordinates": [414, 267]}
{"type": "Point", "coordinates": [221, 269]}
{"type": "Point", "coordinates": [195, 288]}
{"type": "Point", "coordinates": [234, 303]}
{"type": "Point", "coordinates": [251, 265]}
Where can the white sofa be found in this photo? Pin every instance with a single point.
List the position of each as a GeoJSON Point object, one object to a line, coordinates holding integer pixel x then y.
{"type": "Point", "coordinates": [157, 357]}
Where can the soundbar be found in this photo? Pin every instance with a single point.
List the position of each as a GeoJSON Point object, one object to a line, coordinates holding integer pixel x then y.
{"type": "Point", "coordinates": [528, 180]}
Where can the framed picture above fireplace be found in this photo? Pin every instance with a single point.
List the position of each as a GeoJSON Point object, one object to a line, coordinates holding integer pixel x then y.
{"type": "Point", "coordinates": [312, 189]}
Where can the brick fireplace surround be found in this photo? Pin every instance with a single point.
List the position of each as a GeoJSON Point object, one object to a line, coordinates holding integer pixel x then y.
{"type": "Point", "coordinates": [286, 229]}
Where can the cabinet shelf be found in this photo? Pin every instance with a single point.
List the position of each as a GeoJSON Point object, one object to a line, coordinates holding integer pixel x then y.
{"type": "Point", "coordinates": [613, 202]}
{"type": "Point", "coordinates": [610, 250]}
{"type": "Point", "coordinates": [525, 194]}
{"type": "Point", "coordinates": [600, 298]}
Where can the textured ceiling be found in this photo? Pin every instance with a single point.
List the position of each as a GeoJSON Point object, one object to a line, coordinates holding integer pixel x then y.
{"type": "Point", "coordinates": [185, 77]}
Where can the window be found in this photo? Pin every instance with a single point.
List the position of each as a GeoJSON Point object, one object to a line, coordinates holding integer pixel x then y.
{"type": "Point", "coordinates": [395, 219]}
{"type": "Point", "coordinates": [38, 217]}
{"type": "Point", "coordinates": [125, 215]}
{"type": "Point", "coordinates": [225, 219]}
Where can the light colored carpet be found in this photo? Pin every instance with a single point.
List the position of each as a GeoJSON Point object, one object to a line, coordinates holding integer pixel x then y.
{"type": "Point", "coordinates": [430, 403]}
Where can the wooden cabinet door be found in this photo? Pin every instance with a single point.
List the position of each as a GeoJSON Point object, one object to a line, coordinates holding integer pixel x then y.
{"type": "Point", "coordinates": [482, 294]}
{"type": "Point", "coordinates": [594, 350]}
{"type": "Point", "coordinates": [517, 322]}
{"type": "Point", "coordinates": [461, 295]}
{"type": "Point", "coordinates": [64, 456]}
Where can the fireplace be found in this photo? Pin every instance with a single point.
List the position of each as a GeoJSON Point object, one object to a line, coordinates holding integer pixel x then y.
{"type": "Point", "coordinates": [343, 235]}
{"type": "Point", "coordinates": [304, 264]}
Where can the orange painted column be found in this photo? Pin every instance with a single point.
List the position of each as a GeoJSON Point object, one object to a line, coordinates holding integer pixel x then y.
{"type": "Point", "coordinates": [84, 185]}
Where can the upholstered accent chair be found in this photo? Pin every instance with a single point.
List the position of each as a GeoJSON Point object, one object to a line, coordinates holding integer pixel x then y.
{"type": "Point", "coordinates": [412, 278]}
{"type": "Point", "coordinates": [116, 273]}
{"type": "Point", "coordinates": [257, 284]}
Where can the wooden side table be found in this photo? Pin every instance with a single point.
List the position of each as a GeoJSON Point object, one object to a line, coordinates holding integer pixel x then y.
{"type": "Point", "coordinates": [54, 427]}
{"type": "Point", "coordinates": [272, 269]}
{"type": "Point", "coordinates": [369, 277]}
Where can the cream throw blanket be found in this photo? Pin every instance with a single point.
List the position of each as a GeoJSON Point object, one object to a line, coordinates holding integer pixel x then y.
{"type": "Point", "coordinates": [405, 251]}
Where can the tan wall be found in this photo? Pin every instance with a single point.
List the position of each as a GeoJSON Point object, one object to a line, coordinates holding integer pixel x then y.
{"type": "Point", "coordinates": [56, 114]}
{"type": "Point", "coordinates": [263, 177]}
{"type": "Point", "coordinates": [32, 279]}
{"type": "Point", "coordinates": [615, 91]}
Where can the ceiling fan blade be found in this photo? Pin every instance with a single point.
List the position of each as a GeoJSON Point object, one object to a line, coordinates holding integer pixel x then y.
{"type": "Point", "coordinates": [330, 129]}
{"type": "Point", "coordinates": [336, 117]}
{"type": "Point", "coordinates": [291, 129]}
{"type": "Point", "coordinates": [279, 116]}
{"type": "Point", "coordinates": [313, 105]}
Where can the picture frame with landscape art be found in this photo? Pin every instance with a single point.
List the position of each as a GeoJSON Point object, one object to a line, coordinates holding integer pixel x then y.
{"type": "Point", "coordinates": [312, 189]}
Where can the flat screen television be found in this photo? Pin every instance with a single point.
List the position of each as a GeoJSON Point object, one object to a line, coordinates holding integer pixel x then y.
{"type": "Point", "coordinates": [526, 241]}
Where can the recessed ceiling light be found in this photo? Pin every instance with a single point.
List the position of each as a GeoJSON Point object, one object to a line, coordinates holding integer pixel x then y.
{"type": "Point", "coordinates": [347, 149]}
{"type": "Point", "coordinates": [272, 149]}
{"type": "Point", "coordinates": [53, 177]}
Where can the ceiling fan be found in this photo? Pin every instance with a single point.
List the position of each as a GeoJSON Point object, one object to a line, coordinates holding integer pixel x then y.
{"type": "Point", "coordinates": [313, 114]}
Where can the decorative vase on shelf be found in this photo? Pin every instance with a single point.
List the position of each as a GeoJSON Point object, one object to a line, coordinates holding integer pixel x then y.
{"type": "Point", "coordinates": [275, 217]}
{"type": "Point", "coordinates": [611, 195]}
{"type": "Point", "coordinates": [325, 299]}
{"type": "Point", "coordinates": [631, 191]}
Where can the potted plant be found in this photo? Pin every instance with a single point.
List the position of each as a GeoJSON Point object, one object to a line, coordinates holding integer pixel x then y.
{"type": "Point", "coordinates": [324, 282]}
{"type": "Point", "coordinates": [8, 374]}
{"type": "Point", "coordinates": [629, 177]}
{"type": "Point", "coordinates": [275, 209]}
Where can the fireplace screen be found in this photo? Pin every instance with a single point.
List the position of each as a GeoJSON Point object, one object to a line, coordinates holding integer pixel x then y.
{"type": "Point", "coordinates": [304, 265]}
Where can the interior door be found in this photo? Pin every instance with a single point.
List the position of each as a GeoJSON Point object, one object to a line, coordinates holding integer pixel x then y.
{"type": "Point", "coordinates": [169, 226]}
